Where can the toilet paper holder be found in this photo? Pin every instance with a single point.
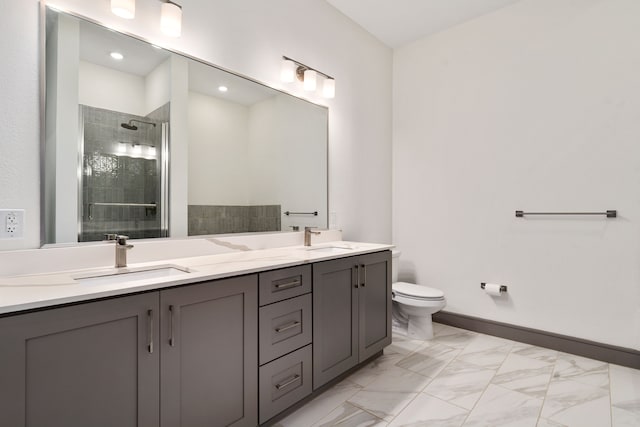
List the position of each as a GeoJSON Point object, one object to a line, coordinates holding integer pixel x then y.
{"type": "Point", "coordinates": [503, 288]}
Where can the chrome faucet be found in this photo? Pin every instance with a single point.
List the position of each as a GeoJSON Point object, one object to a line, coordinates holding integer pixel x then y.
{"type": "Point", "coordinates": [307, 235]}
{"type": "Point", "coordinates": [121, 248]}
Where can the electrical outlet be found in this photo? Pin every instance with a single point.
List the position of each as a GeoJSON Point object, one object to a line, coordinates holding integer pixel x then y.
{"type": "Point", "coordinates": [11, 223]}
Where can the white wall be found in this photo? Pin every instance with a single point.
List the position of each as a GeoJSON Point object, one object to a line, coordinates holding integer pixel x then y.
{"type": "Point", "coordinates": [61, 155]}
{"type": "Point", "coordinates": [157, 87]}
{"type": "Point", "coordinates": [218, 143]}
{"type": "Point", "coordinates": [280, 131]}
{"type": "Point", "coordinates": [249, 37]}
{"type": "Point", "coordinates": [20, 115]}
{"type": "Point", "coordinates": [534, 107]}
{"type": "Point", "coordinates": [103, 87]}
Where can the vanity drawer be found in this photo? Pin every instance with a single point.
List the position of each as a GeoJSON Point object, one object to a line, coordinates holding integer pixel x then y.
{"type": "Point", "coordinates": [284, 327]}
{"type": "Point", "coordinates": [278, 285]}
{"type": "Point", "coordinates": [284, 382]}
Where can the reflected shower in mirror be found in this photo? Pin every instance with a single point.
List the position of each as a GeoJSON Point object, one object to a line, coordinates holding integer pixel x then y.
{"type": "Point", "coordinates": [149, 143]}
{"type": "Point", "coordinates": [122, 174]}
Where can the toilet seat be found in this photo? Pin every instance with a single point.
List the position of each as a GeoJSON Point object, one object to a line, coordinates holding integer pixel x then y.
{"type": "Point", "coordinates": [416, 292]}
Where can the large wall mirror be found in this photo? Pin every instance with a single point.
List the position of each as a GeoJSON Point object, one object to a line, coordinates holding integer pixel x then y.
{"type": "Point", "coordinates": [150, 143]}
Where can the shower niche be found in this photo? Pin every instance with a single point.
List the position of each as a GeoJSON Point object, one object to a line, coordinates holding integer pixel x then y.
{"type": "Point", "coordinates": [124, 178]}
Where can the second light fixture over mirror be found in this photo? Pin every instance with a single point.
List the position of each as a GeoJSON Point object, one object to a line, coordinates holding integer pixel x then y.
{"type": "Point", "coordinates": [292, 69]}
{"type": "Point", "coordinates": [170, 15]}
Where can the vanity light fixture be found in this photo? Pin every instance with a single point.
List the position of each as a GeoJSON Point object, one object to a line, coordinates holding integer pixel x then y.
{"type": "Point", "coordinates": [309, 80]}
{"type": "Point", "coordinates": [288, 71]}
{"type": "Point", "coordinates": [124, 8]}
{"type": "Point", "coordinates": [308, 76]}
{"type": "Point", "coordinates": [171, 19]}
{"type": "Point", "coordinates": [117, 56]}
{"type": "Point", "coordinates": [329, 88]}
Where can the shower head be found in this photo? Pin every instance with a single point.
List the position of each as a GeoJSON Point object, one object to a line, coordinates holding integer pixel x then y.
{"type": "Point", "coordinates": [131, 126]}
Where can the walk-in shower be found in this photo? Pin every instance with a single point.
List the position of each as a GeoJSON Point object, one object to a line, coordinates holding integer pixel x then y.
{"type": "Point", "coordinates": [123, 183]}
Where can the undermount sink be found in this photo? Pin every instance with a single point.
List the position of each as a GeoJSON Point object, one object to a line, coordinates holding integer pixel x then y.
{"type": "Point", "coordinates": [124, 275]}
{"type": "Point", "coordinates": [331, 249]}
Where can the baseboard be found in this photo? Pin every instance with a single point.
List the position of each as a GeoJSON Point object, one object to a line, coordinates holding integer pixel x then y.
{"type": "Point", "coordinates": [593, 350]}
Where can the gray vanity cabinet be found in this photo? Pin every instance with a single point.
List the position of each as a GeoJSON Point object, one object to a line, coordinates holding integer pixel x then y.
{"type": "Point", "coordinates": [93, 364]}
{"type": "Point", "coordinates": [351, 312]}
{"type": "Point", "coordinates": [374, 304]}
{"type": "Point", "coordinates": [208, 340]}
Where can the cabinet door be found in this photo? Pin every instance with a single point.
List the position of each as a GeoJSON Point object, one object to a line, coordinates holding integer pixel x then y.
{"type": "Point", "coordinates": [374, 300]}
{"type": "Point", "coordinates": [209, 365]}
{"type": "Point", "coordinates": [91, 364]}
{"type": "Point", "coordinates": [335, 319]}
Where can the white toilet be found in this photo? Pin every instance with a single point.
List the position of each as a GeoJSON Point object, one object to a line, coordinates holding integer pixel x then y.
{"type": "Point", "coordinates": [413, 306]}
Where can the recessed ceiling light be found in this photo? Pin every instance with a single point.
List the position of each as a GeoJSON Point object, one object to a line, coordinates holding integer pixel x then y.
{"type": "Point", "coordinates": [223, 88]}
{"type": "Point", "coordinates": [117, 56]}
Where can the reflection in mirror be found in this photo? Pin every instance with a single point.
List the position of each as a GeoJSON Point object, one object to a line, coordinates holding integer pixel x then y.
{"type": "Point", "coordinates": [118, 110]}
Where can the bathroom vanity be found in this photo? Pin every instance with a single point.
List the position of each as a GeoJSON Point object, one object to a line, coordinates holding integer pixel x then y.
{"type": "Point", "coordinates": [215, 346]}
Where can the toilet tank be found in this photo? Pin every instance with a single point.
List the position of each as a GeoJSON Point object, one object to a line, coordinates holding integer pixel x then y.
{"type": "Point", "coordinates": [395, 254]}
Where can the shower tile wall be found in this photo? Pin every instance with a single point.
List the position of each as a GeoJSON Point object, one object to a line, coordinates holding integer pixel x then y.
{"type": "Point", "coordinates": [110, 176]}
{"type": "Point", "coordinates": [210, 219]}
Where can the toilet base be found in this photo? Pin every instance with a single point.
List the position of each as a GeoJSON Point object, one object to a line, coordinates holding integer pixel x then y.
{"type": "Point", "coordinates": [420, 328]}
{"type": "Point", "coordinates": [412, 327]}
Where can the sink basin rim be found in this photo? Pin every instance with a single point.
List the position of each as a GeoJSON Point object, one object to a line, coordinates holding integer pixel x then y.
{"type": "Point", "coordinates": [122, 273]}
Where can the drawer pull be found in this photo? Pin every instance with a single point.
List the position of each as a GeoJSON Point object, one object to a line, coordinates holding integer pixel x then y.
{"type": "Point", "coordinates": [289, 326]}
{"type": "Point", "coordinates": [293, 379]}
{"type": "Point", "coordinates": [286, 285]}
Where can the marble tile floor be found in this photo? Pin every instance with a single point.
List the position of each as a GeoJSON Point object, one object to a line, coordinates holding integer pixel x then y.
{"type": "Point", "coordinates": [463, 378]}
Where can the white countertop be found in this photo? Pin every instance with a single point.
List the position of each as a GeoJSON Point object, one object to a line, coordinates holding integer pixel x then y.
{"type": "Point", "coordinates": [26, 292]}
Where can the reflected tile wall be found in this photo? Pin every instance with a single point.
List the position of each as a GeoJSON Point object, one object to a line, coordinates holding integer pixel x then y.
{"type": "Point", "coordinates": [221, 219]}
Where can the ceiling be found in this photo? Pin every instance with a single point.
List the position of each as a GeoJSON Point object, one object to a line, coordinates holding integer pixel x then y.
{"type": "Point", "coordinates": [399, 22]}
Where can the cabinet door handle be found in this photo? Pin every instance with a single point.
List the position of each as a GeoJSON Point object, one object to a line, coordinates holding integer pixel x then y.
{"type": "Point", "coordinates": [150, 331]}
{"type": "Point", "coordinates": [291, 284]}
{"type": "Point", "coordinates": [171, 340]}
{"type": "Point", "coordinates": [357, 285]}
{"type": "Point", "coordinates": [364, 274]}
{"type": "Point", "coordinates": [292, 380]}
{"type": "Point", "coordinates": [289, 326]}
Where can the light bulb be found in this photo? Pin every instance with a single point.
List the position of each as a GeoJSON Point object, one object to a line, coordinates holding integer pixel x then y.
{"type": "Point", "coordinates": [171, 19]}
{"type": "Point", "coordinates": [329, 88]}
{"type": "Point", "coordinates": [124, 8]}
{"type": "Point", "coordinates": [310, 80]}
{"type": "Point", "coordinates": [288, 71]}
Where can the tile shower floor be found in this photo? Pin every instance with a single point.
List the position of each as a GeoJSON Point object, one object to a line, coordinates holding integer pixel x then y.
{"type": "Point", "coordinates": [463, 378]}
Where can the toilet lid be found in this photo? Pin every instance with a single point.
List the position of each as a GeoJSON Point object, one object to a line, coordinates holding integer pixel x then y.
{"type": "Point", "coordinates": [411, 290]}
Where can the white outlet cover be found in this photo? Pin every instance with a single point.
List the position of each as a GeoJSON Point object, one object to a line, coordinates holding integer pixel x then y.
{"type": "Point", "coordinates": [11, 223]}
